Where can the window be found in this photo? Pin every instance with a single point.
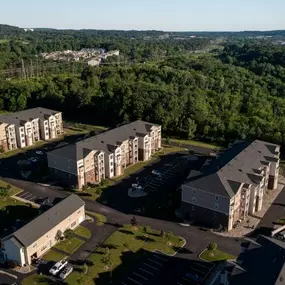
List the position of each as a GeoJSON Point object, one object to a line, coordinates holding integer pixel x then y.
{"type": "Point", "coordinates": [217, 198]}
{"type": "Point", "coordinates": [46, 134]}
{"type": "Point", "coordinates": [216, 206]}
{"type": "Point", "coordinates": [44, 247]}
{"type": "Point", "coordinates": [46, 123]}
{"type": "Point", "coordinates": [22, 135]}
{"type": "Point", "coordinates": [34, 245]}
{"type": "Point", "coordinates": [23, 141]}
{"type": "Point", "coordinates": [79, 212]}
{"type": "Point", "coordinates": [69, 175]}
{"type": "Point", "coordinates": [193, 199]}
{"type": "Point", "coordinates": [73, 224]}
{"type": "Point", "coordinates": [194, 191]}
{"type": "Point", "coordinates": [193, 208]}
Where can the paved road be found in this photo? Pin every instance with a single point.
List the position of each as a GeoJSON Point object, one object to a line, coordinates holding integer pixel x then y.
{"type": "Point", "coordinates": [196, 239]}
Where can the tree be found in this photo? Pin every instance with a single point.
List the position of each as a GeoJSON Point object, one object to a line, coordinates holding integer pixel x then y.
{"type": "Point", "coordinates": [68, 234]}
{"type": "Point", "coordinates": [191, 128]}
{"type": "Point", "coordinates": [134, 222]}
{"type": "Point", "coordinates": [212, 246]}
{"type": "Point", "coordinates": [59, 235]}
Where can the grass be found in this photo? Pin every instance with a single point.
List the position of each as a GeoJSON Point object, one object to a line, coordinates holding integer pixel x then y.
{"type": "Point", "coordinates": [70, 245]}
{"type": "Point", "coordinates": [101, 219]}
{"type": "Point", "coordinates": [217, 256]}
{"type": "Point", "coordinates": [13, 190]}
{"type": "Point", "coordinates": [37, 280]}
{"type": "Point", "coordinates": [130, 243]}
{"type": "Point", "coordinates": [77, 128]}
{"type": "Point", "coordinates": [96, 191]}
{"type": "Point", "coordinates": [281, 221]}
{"type": "Point", "coordinates": [53, 255]}
{"type": "Point", "coordinates": [82, 231]}
{"type": "Point", "coordinates": [194, 143]}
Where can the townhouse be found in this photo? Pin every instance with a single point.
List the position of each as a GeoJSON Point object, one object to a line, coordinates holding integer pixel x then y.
{"type": "Point", "coordinates": [22, 129]}
{"type": "Point", "coordinates": [229, 188]}
{"type": "Point", "coordinates": [104, 155]}
{"type": "Point", "coordinates": [35, 238]}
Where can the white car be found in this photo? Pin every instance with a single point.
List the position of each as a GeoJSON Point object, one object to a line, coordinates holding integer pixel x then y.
{"type": "Point", "coordinates": [66, 271]}
{"type": "Point", "coordinates": [137, 186]}
{"type": "Point", "coordinates": [57, 267]}
{"type": "Point", "coordinates": [39, 152]}
{"type": "Point", "coordinates": [156, 173]}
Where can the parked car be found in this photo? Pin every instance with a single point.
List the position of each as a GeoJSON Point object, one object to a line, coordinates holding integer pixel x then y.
{"type": "Point", "coordinates": [39, 152]}
{"type": "Point", "coordinates": [193, 276]}
{"type": "Point", "coordinates": [32, 159]}
{"type": "Point", "coordinates": [57, 267]}
{"type": "Point", "coordinates": [156, 173]}
{"type": "Point", "coordinates": [280, 235]}
{"type": "Point", "coordinates": [66, 271]}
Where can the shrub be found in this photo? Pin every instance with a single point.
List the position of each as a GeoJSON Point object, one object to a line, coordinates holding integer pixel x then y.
{"type": "Point", "coordinates": [68, 233]}
{"type": "Point", "coordinates": [212, 246]}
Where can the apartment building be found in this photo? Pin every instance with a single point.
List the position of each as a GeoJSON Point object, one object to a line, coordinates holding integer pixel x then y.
{"type": "Point", "coordinates": [231, 187]}
{"type": "Point", "coordinates": [35, 238]}
{"type": "Point", "coordinates": [104, 155]}
{"type": "Point", "coordinates": [25, 128]}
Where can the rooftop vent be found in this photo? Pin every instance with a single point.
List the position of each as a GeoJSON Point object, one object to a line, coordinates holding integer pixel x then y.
{"type": "Point", "coordinates": [240, 170]}
{"type": "Point", "coordinates": [135, 129]}
{"type": "Point", "coordinates": [102, 141]}
{"type": "Point", "coordinates": [17, 118]}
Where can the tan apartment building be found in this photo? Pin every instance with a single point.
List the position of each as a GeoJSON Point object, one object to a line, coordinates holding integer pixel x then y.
{"type": "Point", "coordinates": [25, 128]}
{"type": "Point", "coordinates": [104, 155]}
{"type": "Point", "coordinates": [35, 238]}
{"type": "Point", "coordinates": [231, 187]}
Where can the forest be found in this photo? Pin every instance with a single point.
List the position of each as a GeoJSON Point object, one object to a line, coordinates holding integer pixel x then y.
{"type": "Point", "coordinates": [235, 92]}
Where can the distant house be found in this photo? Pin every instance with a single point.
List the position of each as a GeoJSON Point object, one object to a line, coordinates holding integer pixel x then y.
{"type": "Point", "coordinates": [38, 236]}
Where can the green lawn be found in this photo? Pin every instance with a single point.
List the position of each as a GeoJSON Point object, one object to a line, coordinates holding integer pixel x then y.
{"type": "Point", "coordinates": [37, 280]}
{"type": "Point", "coordinates": [70, 245]}
{"type": "Point", "coordinates": [281, 221]}
{"type": "Point", "coordinates": [132, 243]}
{"type": "Point", "coordinates": [217, 256]}
{"type": "Point", "coordinates": [82, 231]}
{"type": "Point", "coordinates": [53, 255]}
{"type": "Point", "coordinates": [13, 190]}
{"type": "Point", "coordinates": [101, 219]}
{"type": "Point", "coordinates": [194, 143]}
{"type": "Point", "coordinates": [95, 192]}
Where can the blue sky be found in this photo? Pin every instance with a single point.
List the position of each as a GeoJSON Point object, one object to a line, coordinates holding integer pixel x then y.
{"type": "Point", "coordinates": [170, 15]}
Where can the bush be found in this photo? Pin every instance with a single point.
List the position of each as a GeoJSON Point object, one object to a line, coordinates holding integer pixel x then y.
{"type": "Point", "coordinates": [212, 246]}
{"type": "Point", "coordinates": [68, 233]}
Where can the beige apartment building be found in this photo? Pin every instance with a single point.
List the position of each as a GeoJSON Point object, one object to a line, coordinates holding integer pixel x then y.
{"type": "Point", "coordinates": [104, 155]}
{"type": "Point", "coordinates": [35, 238]}
{"type": "Point", "coordinates": [231, 187]}
{"type": "Point", "coordinates": [22, 129]}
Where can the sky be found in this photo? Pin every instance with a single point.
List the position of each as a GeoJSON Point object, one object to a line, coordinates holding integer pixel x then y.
{"type": "Point", "coordinates": [167, 15]}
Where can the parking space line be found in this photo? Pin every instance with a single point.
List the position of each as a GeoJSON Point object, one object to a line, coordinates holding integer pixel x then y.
{"type": "Point", "coordinates": [30, 195]}
{"type": "Point", "coordinates": [123, 283]}
{"type": "Point", "coordinates": [33, 198]}
{"type": "Point", "coordinates": [189, 281]}
{"type": "Point", "coordinates": [195, 269]}
{"type": "Point", "coordinates": [145, 271]}
{"type": "Point", "coordinates": [200, 265]}
{"type": "Point", "coordinates": [151, 266]}
{"type": "Point", "coordinates": [159, 257]}
{"type": "Point", "coordinates": [160, 264]}
{"type": "Point", "coordinates": [140, 276]}
{"type": "Point", "coordinates": [23, 194]}
{"type": "Point", "coordinates": [134, 281]}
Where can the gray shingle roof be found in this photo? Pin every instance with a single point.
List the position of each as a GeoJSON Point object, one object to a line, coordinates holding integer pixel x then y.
{"type": "Point", "coordinates": [262, 264]}
{"type": "Point", "coordinates": [238, 164]}
{"type": "Point", "coordinates": [32, 231]}
{"type": "Point", "coordinates": [18, 118]}
{"type": "Point", "coordinates": [107, 141]}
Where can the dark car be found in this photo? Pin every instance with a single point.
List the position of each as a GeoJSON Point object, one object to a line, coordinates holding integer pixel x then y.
{"type": "Point", "coordinates": [193, 276]}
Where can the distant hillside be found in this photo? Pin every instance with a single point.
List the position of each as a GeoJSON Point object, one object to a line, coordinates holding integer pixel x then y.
{"type": "Point", "coordinates": [6, 30]}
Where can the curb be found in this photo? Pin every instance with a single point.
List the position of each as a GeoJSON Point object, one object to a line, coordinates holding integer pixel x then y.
{"type": "Point", "coordinates": [25, 201]}
{"type": "Point", "coordinates": [201, 257]}
{"type": "Point", "coordinates": [9, 274]}
{"type": "Point", "coordinates": [168, 254]}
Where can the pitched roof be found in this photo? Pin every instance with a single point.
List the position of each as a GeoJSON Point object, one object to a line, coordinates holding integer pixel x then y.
{"type": "Point", "coordinates": [32, 231]}
{"type": "Point", "coordinates": [261, 264]}
{"type": "Point", "coordinates": [18, 118]}
{"type": "Point", "coordinates": [107, 141]}
{"type": "Point", "coordinates": [240, 163]}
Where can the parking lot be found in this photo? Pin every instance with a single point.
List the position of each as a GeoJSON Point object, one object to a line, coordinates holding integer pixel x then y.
{"type": "Point", "coordinates": [29, 197]}
{"type": "Point", "coordinates": [196, 273]}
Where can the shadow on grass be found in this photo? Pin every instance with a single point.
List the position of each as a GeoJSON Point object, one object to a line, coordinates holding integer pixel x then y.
{"type": "Point", "coordinates": [126, 232]}
{"type": "Point", "coordinates": [145, 239]}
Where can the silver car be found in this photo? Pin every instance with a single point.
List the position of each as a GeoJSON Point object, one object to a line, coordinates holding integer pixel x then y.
{"type": "Point", "coordinates": [66, 271]}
